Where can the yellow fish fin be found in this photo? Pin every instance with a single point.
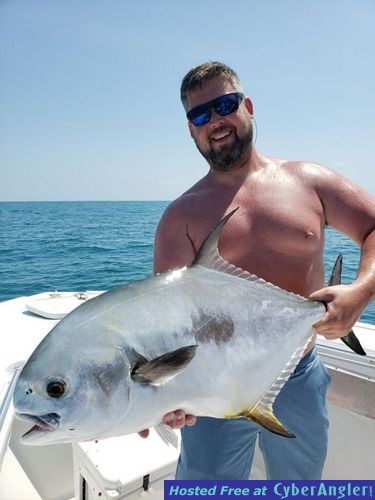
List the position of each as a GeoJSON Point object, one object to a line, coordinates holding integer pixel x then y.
{"type": "Point", "coordinates": [263, 415]}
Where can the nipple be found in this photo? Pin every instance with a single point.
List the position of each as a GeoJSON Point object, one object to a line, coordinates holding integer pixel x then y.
{"type": "Point", "coordinates": [308, 234]}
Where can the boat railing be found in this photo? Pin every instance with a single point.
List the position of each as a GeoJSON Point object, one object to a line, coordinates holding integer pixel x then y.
{"type": "Point", "coordinates": [337, 356]}
{"type": "Point", "coordinates": [6, 413]}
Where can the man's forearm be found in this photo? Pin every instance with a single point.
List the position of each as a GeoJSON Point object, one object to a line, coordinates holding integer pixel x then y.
{"type": "Point", "coordinates": [366, 272]}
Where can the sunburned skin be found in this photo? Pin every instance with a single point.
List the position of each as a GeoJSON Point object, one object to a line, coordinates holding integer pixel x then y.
{"type": "Point", "coordinates": [268, 235]}
{"type": "Point", "coordinates": [278, 231]}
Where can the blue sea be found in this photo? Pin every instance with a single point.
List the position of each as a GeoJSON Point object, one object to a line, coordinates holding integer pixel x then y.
{"type": "Point", "coordinates": [81, 246]}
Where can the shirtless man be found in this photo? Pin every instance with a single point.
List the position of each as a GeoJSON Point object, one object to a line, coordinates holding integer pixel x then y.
{"type": "Point", "coordinates": [277, 234]}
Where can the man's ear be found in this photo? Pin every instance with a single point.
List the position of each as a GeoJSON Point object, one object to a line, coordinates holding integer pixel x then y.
{"type": "Point", "coordinates": [249, 105]}
{"type": "Point", "coordinates": [190, 125]}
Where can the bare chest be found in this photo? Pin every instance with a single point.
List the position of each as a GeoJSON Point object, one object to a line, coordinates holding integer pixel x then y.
{"type": "Point", "coordinates": [287, 217]}
{"type": "Point", "coordinates": [278, 226]}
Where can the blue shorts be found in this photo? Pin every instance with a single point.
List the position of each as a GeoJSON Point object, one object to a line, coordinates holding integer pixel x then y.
{"type": "Point", "coordinates": [223, 449]}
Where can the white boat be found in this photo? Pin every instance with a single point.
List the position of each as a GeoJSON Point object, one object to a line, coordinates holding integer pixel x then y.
{"type": "Point", "coordinates": [131, 467]}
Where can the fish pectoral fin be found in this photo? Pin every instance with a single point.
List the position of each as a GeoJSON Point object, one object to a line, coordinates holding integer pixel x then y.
{"type": "Point", "coordinates": [167, 435]}
{"type": "Point", "coordinates": [133, 356]}
{"type": "Point", "coordinates": [264, 416]}
{"type": "Point", "coordinates": [163, 368]}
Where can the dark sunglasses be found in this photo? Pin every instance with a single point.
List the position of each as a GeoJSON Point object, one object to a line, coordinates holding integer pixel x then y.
{"type": "Point", "coordinates": [223, 106]}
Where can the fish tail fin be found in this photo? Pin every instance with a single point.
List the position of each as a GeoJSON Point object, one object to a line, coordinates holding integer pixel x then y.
{"type": "Point", "coordinates": [350, 339]}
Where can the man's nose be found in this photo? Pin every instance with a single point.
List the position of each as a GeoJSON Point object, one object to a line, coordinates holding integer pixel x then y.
{"type": "Point", "coordinates": [216, 119]}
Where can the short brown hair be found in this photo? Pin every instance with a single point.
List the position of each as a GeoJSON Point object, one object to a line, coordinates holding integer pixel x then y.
{"type": "Point", "coordinates": [199, 75]}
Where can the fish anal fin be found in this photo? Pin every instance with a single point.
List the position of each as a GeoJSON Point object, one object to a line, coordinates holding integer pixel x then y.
{"type": "Point", "coordinates": [267, 419]}
{"type": "Point", "coordinates": [163, 368]}
{"type": "Point", "coordinates": [264, 416]}
{"type": "Point", "coordinates": [262, 412]}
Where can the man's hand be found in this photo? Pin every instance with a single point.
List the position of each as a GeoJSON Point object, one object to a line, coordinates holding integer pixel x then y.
{"type": "Point", "coordinates": [344, 306]}
{"type": "Point", "coordinates": [175, 419]}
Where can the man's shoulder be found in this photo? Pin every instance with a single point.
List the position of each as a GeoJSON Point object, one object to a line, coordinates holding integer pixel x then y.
{"type": "Point", "coordinates": [188, 204]}
{"type": "Point", "coordinates": [300, 167]}
{"type": "Point", "coordinates": [182, 209]}
{"type": "Point", "coordinates": [306, 171]}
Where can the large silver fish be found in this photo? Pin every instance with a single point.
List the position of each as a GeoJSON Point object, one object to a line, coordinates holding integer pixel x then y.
{"type": "Point", "coordinates": [210, 338]}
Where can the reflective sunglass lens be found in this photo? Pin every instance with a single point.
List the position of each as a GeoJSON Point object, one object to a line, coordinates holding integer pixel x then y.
{"type": "Point", "coordinates": [200, 115]}
{"type": "Point", "coordinates": [223, 105]}
{"type": "Point", "coordinates": [201, 119]}
{"type": "Point", "coordinates": [226, 105]}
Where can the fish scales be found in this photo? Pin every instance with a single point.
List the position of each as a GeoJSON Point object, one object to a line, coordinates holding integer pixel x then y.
{"type": "Point", "coordinates": [208, 338]}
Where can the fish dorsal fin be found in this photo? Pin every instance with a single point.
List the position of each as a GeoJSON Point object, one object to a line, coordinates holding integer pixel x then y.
{"type": "Point", "coordinates": [208, 256]}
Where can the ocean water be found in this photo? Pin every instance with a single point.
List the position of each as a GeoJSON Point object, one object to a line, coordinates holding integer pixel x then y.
{"type": "Point", "coordinates": [81, 246]}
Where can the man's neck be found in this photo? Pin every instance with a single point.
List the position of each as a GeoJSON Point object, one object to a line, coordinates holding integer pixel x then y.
{"type": "Point", "coordinates": [253, 162]}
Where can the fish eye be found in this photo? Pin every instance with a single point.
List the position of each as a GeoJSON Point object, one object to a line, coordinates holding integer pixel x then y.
{"type": "Point", "coordinates": [56, 388]}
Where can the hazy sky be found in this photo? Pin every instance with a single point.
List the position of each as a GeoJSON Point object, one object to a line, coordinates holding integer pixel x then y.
{"type": "Point", "coordinates": [89, 90]}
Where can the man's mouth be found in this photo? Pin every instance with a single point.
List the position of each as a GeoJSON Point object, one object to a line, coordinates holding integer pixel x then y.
{"type": "Point", "coordinates": [42, 423]}
{"type": "Point", "coordinates": [220, 136]}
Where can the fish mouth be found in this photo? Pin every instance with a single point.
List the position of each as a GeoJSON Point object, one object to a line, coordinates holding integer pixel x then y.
{"type": "Point", "coordinates": [42, 423]}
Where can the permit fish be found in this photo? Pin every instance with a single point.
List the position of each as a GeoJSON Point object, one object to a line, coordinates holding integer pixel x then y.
{"type": "Point", "coordinates": [209, 338]}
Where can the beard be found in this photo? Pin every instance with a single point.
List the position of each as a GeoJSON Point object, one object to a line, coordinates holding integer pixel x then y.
{"type": "Point", "coordinates": [228, 156]}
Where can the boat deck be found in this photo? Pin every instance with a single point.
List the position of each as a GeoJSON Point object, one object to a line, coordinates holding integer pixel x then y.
{"type": "Point", "coordinates": [47, 472]}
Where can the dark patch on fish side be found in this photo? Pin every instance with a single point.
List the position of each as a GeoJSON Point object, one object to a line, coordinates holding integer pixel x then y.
{"type": "Point", "coordinates": [218, 329]}
{"type": "Point", "coordinates": [109, 375]}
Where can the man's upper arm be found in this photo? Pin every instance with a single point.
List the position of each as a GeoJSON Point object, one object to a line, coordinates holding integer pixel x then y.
{"type": "Point", "coordinates": [173, 248]}
{"type": "Point", "coordinates": [348, 208]}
